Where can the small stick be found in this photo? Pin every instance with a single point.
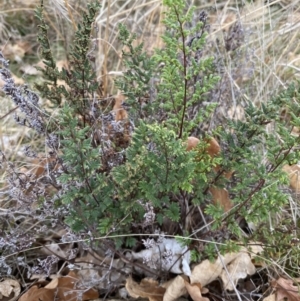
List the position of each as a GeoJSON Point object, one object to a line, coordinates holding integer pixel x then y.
{"type": "Point", "coordinates": [12, 110]}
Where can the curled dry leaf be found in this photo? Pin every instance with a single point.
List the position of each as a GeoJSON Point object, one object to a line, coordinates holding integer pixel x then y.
{"type": "Point", "coordinates": [219, 195]}
{"type": "Point", "coordinates": [207, 271]}
{"type": "Point", "coordinates": [148, 288]}
{"type": "Point", "coordinates": [119, 112]}
{"type": "Point", "coordinates": [271, 297]}
{"type": "Point", "coordinates": [67, 288]}
{"type": "Point", "coordinates": [213, 148]}
{"type": "Point", "coordinates": [255, 248]}
{"type": "Point", "coordinates": [286, 289]}
{"type": "Point", "coordinates": [9, 289]}
{"type": "Point", "coordinates": [203, 273]}
{"type": "Point", "coordinates": [293, 172]}
{"type": "Point", "coordinates": [174, 289]}
{"type": "Point", "coordinates": [14, 52]}
{"type": "Point", "coordinates": [195, 290]}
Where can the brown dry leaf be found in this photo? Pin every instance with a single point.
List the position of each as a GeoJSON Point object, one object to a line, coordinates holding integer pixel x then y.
{"type": "Point", "coordinates": [194, 290]}
{"type": "Point", "coordinates": [239, 268]}
{"type": "Point", "coordinates": [69, 287]}
{"type": "Point", "coordinates": [219, 195]}
{"type": "Point", "coordinates": [148, 288]}
{"type": "Point", "coordinates": [286, 289]}
{"type": "Point", "coordinates": [255, 248]}
{"type": "Point", "coordinates": [13, 52]}
{"type": "Point", "coordinates": [36, 294]}
{"type": "Point", "coordinates": [53, 284]}
{"type": "Point", "coordinates": [119, 111]}
{"type": "Point", "coordinates": [271, 297]}
{"type": "Point", "coordinates": [293, 172]}
{"type": "Point", "coordinates": [192, 142]}
{"type": "Point", "coordinates": [60, 289]}
{"type": "Point", "coordinates": [203, 273]}
{"type": "Point", "coordinates": [207, 271]}
{"type": "Point", "coordinates": [174, 289]}
{"type": "Point", "coordinates": [62, 64]}
{"type": "Point", "coordinates": [236, 112]}
{"type": "Point", "coordinates": [9, 288]}
{"type": "Point", "coordinates": [213, 147]}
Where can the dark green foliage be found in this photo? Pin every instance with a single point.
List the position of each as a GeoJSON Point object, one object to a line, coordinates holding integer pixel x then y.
{"type": "Point", "coordinates": [154, 183]}
{"type": "Point", "coordinates": [50, 72]}
{"type": "Point", "coordinates": [137, 77]}
{"type": "Point", "coordinates": [81, 78]}
{"type": "Point", "coordinates": [185, 76]}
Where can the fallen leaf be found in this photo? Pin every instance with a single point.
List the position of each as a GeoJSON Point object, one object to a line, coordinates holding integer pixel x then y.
{"type": "Point", "coordinates": [67, 288]}
{"type": "Point", "coordinates": [239, 268]}
{"type": "Point", "coordinates": [37, 294]}
{"type": "Point", "coordinates": [13, 52]}
{"type": "Point", "coordinates": [212, 149]}
{"type": "Point", "coordinates": [203, 273]}
{"type": "Point", "coordinates": [174, 289]}
{"type": "Point", "coordinates": [293, 172]}
{"type": "Point", "coordinates": [119, 112]}
{"type": "Point", "coordinates": [53, 284]}
{"type": "Point", "coordinates": [219, 195]}
{"type": "Point", "coordinates": [208, 271]}
{"type": "Point", "coordinates": [148, 288]}
{"type": "Point", "coordinates": [194, 290]}
{"type": "Point", "coordinates": [271, 297]}
{"type": "Point", "coordinates": [286, 289]}
{"type": "Point", "coordinates": [191, 143]}
{"type": "Point", "coordinates": [255, 248]}
{"type": "Point", "coordinates": [9, 288]}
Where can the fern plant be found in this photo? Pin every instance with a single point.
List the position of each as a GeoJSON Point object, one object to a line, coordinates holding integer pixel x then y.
{"type": "Point", "coordinates": [255, 148]}
{"type": "Point", "coordinates": [186, 76]}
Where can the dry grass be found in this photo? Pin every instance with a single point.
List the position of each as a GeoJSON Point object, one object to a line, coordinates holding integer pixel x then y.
{"type": "Point", "coordinates": [271, 33]}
